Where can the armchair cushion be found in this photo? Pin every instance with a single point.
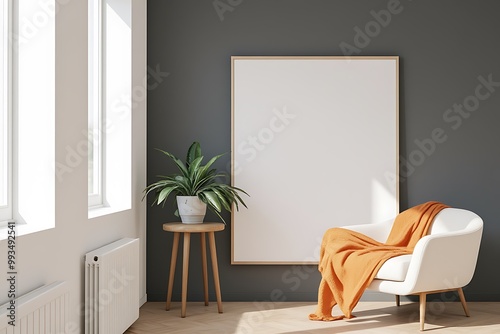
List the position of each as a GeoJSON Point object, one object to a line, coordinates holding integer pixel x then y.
{"type": "Point", "coordinates": [395, 268]}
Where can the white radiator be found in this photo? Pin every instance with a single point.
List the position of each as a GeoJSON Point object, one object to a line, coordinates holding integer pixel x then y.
{"type": "Point", "coordinates": [41, 311]}
{"type": "Point", "coordinates": [112, 287]}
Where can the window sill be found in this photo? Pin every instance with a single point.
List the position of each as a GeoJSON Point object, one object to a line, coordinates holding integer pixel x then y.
{"type": "Point", "coordinates": [21, 229]}
{"type": "Point", "coordinates": [99, 211]}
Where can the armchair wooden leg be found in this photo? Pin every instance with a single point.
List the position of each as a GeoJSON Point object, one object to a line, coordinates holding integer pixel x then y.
{"type": "Point", "coordinates": [423, 297]}
{"type": "Point", "coordinates": [398, 301]}
{"type": "Point", "coordinates": [462, 300]}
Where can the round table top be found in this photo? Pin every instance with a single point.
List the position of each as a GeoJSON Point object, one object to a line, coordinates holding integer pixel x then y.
{"type": "Point", "coordinates": [193, 228]}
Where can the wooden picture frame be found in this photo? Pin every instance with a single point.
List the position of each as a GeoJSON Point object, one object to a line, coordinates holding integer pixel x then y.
{"type": "Point", "coordinates": [315, 144]}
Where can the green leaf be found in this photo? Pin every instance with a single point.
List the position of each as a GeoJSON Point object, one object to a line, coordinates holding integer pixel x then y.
{"type": "Point", "coordinates": [158, 186]}
{"type": "Point", "coordinates": [220, 216]}
{"type": "Point", "coordinates": [163, 195]}
{"type": "Point", "coordinates": [212, 200]}
{"type": "Point", "coordinates": [178, 162]}
{"type": "Point", "coordinates": [194, 152]}
{"type": "Point", "coordinates": [202, 181]}
{"type": "Point", "coordinates": [194, 167]}
{"type": "Point", "coordinates": [211, 161]}
{"type": "Point", "coordinates": [241, 201]}
{"type": "Point", "coordinates": [184, 186]}
{"type": "Point", "coordinates": [223, 198]}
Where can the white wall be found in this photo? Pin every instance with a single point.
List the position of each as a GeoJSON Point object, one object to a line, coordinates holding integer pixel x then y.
{"type": "Point", "coordinates": [57, 254]}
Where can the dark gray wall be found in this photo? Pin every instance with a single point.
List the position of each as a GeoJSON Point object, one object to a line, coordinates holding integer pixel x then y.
{"type": "Point", "coordinates": [446, 47]}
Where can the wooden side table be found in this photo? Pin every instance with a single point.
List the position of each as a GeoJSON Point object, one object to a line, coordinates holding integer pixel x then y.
{"type": "Point", "coordinates": [187, 229]}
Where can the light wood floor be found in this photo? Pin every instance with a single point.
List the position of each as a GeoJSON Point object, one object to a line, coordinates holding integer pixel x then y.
{"type": "Point", "coordinates": [291, 317]}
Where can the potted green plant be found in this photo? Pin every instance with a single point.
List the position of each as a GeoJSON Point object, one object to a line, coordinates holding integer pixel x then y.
{"type": "Point", "coordinates": [196, 187]}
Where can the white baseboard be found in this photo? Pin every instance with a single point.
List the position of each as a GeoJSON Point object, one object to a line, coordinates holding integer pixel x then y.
{"type": "Point", "coordinates": [143, 300]}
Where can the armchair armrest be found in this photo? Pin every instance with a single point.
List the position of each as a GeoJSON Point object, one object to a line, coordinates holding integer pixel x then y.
{"type": "Point", "coordinates": [443, 261]}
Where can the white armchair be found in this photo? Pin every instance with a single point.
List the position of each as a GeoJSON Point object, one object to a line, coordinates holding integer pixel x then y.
{"type": "Point", "coordinates": [443, 260]}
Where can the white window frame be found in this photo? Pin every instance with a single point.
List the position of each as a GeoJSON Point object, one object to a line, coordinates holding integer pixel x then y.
{"type": "Point", "coordinates": [96, 107]}
{"type": "Point", "coordinates": [6, 113]}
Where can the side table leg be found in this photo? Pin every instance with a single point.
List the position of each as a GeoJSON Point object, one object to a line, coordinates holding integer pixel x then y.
{"type": "Point", "coordinates": [173, 262]}
{"type": "Point", "coordinates": [215, 269]}
{"type": "Point", "coordinates": [185, 268]}
{"type": "Point", "coordinates": [204, 265]}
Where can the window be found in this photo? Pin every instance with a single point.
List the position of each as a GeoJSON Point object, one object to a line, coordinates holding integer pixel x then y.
{"type": "Point", "coordinates": [95, 115]}
{"type": "Point", "coordinates": [5, 114]}
{"type": "Point", "coordinates": [27, 114]}
{"type": "Point", "coordinates": [110, 106]}
{"type": "Point", "coordinates": [33, 115]}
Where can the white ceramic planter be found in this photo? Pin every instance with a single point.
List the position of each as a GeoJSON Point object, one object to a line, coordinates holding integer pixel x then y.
{"type": "Point", "coordinates": [191, 209]}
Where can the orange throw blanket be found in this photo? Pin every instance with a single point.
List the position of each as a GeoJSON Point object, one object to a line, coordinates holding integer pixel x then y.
{"type": "Point", "coordinates": [350, 260]}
